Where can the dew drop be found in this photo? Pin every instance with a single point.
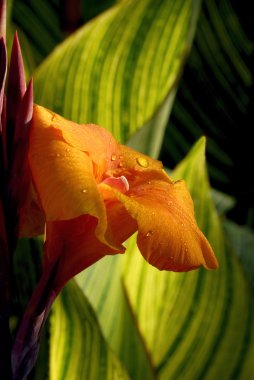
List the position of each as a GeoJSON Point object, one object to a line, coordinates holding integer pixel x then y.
{"type": "Point", "coordinates": [149, 233]}
{"type": "Point", "coordinates": [142, 162]}
{"type": "Point", "coordinates": [83, 191]}
{"type": "Point", "coordinates": [58, 155]}
{"type": "Point", "coordinates": [113, 157]}
{"type": "Point", "coordinates": [120, 164]}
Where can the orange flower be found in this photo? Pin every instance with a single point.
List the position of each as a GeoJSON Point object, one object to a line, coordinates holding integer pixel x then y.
{"type": "Point", "coordinates": [95, 193]}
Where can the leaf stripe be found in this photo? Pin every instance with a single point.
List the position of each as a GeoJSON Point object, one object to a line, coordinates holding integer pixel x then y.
{"type": "Point", "coordinates": [203, 336]}
{"type": "Point", "coordinates": [185, 325]}
{"type": "Point", "coordinates": [218, 77]}
{"type": "Point", "coordinates": [78, 350]}
{"type": "Point", "coordinates": [115, 76]}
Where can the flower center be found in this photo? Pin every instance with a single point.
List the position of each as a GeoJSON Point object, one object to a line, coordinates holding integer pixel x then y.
{"type": "Point", "coordinates": [119, 183]}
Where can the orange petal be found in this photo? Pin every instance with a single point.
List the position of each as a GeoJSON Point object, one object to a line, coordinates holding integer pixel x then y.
{"type": "Point", "coordinates": [168, 236]}
{"type": "Point", "coordinates": [137, 168]}
{"type": "Point", "coordinates": [120, 223]}
{"type": "Point", "coordinates": [73, 246]}
{"type": "Point", "coordinates": [96, 141]}
{"type": "Point", "coordinates": [63, 177]}
{"type": "Point", "coordinates": [67, 161]}
{"type": "Point", "coordinates": [131, 159]}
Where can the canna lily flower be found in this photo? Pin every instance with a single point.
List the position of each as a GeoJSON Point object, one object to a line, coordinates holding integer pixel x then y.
{"type": "Point", "coordinates": [95, 193]}
{"type": "Point", "coordinates": [90, 192]}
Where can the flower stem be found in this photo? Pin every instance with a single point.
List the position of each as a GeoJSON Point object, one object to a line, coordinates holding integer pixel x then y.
{"type": "Point", "coordinates": [27, 341]}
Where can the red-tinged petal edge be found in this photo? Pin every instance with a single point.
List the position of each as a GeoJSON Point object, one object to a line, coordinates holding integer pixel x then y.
{"type": "Point", "coordinates": [63, 258]}
{"type": "Point", "coordinates": [79, 248]}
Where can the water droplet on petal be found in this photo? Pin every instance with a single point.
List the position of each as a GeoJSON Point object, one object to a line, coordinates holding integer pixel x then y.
{"type": "Point", "coordinates": [142, 162]}
{"type": "Point", "coordinates": [149, 233]}
{"type": "Point", "coordinates": [83, 191]}
{"type": "Point", "coordinates": [58, 155]}
{"type": "Point", "coordinates": [113, 157]}
{"type": "Point", "coordinates": [120, 164]}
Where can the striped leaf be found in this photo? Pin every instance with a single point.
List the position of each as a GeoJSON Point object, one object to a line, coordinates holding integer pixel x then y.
{"type": "Point", "coordinates": [27, 270]}
{"type": "Point", "coordinates": [242, 240]}
{"type": "Point", "coordinates": [39, 22]}
{"type": "Point", "coordinates": [102, 284]}
{"type": "Point", "coordinates": [27, 53]}
{"type": "Point", "coordinates": [148, 139]}
{"type": "Point", "coordinates": [119, 68]}
{"type": "Point", "coordinates": [191, 322]}
{"type": "Point", "coordinates": [78, 350]}
{"type": "Point", "coordinates": [223, 202]}
{"type": "Point", "coordinates": [215, 99]}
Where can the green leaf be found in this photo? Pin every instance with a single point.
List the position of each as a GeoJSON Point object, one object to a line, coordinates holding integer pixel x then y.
{"type": "Point", "coordinates": [149, 138]}
{"type": "Point", "coordinates": [110, 301]}
{"type": "Point", "coordinates": [223, 202]}
{"type": "Point", "coordinates": [117, 70]}
{"type": "Point", "coordinates": [39, 22]}
{"type": "Point", "coordinates": [77, 347]}
{"type": "Point", "coordinates": [91, 9]}
{"type": "Point", "coordinates": [27, 53]}
{"type": "Point", "coordinates": [242, 241]}
{"type": "Point", "coordinates": [191, 322]}
{"type": "Point", "coordinates": [27, 271]}
{"type": "Point", "coordinates": [215, 99]}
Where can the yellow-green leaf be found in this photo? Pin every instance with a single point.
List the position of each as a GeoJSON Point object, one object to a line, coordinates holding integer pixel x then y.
{"type": "Point", "coordinates": [102, 284]}
{"type": "Point", "coordinates": [78, 350]}
{"type": "Point", "coordinates": [201, 324]}
{"type": "Point", "coordinates": [118, 69]}
{"type": "Point", "coordinates": [242, 241]}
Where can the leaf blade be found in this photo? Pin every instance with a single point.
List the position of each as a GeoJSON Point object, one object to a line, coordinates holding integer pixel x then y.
{"type": "Point", "coordinates": [190, 322]}
{"type": "Point", "coordinates": [77, 346]}
{"type": "Point", "coordinates": [121, 66]}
